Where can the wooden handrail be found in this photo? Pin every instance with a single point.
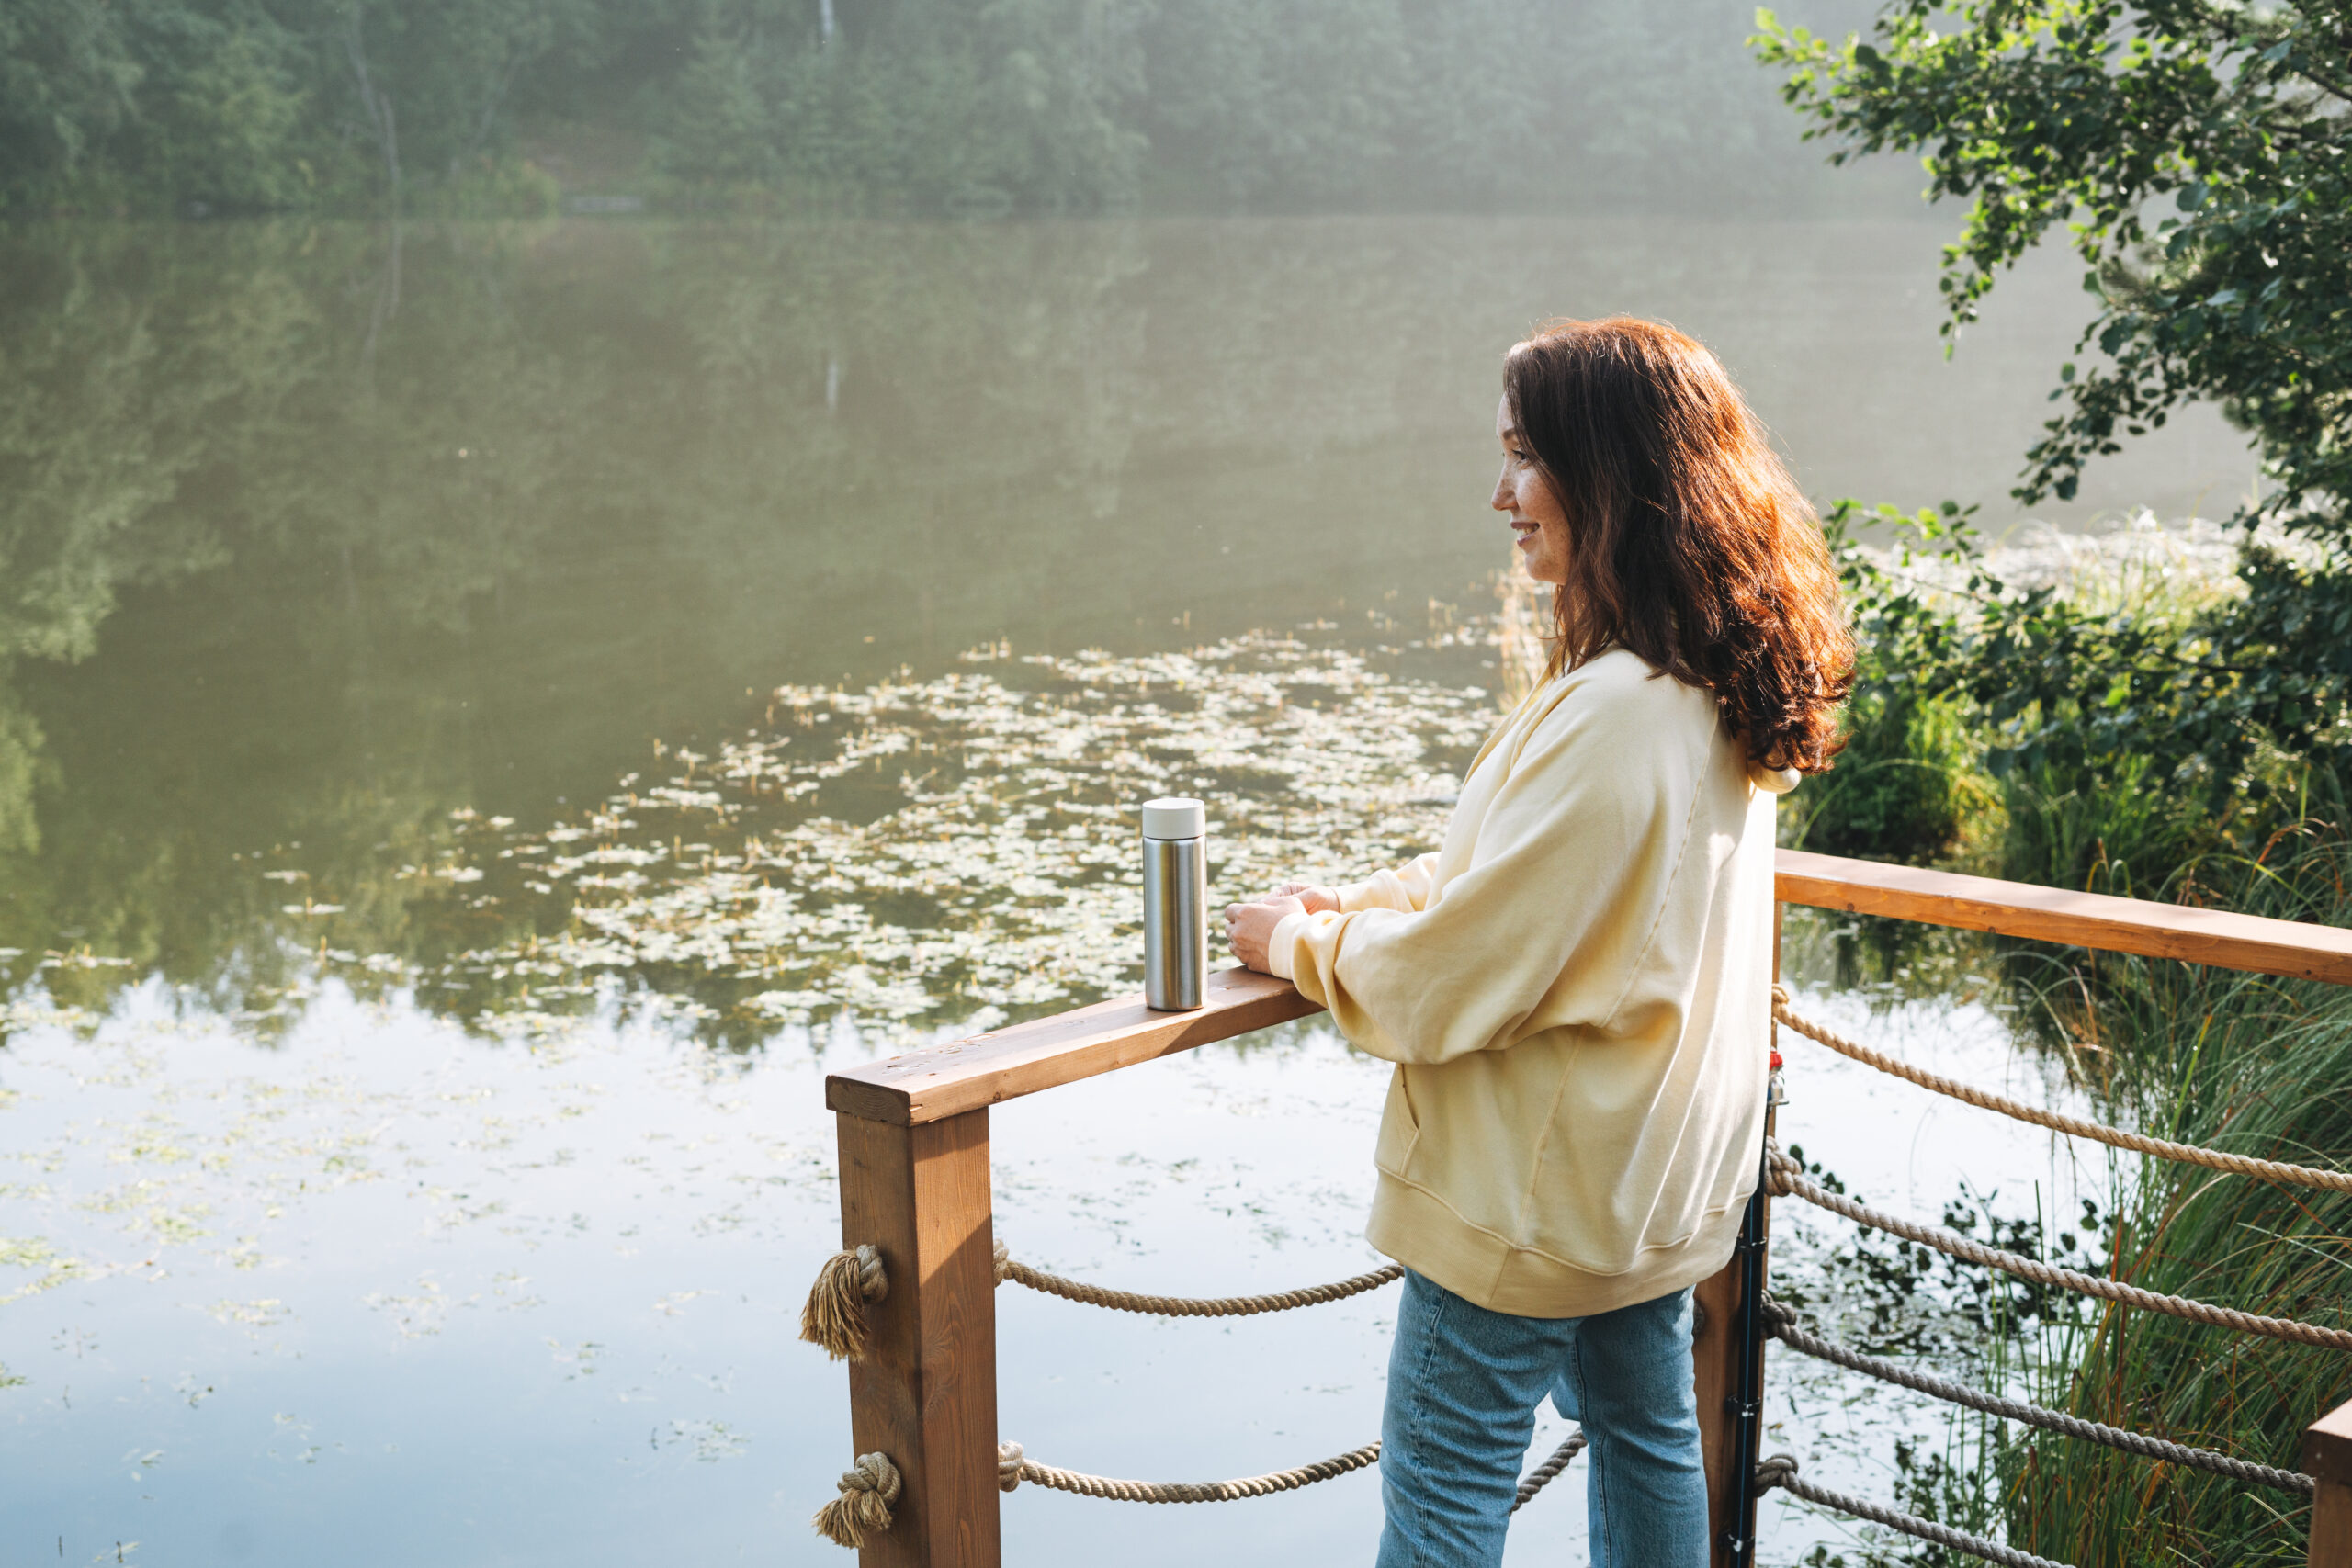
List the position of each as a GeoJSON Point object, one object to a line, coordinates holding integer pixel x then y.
{"type": "Point", "coordinates": [939, 1082]}
{"type": "Point", "coordinates": [2078, 919]}
{"type": "Point", "coordinates": [945, 1080]}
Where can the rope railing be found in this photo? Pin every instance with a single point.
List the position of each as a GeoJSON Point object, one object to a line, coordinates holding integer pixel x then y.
{"type": "Point", "coordinates": [1189, 1306]}
{"type": "Point", "coordinates": [835, 1315]}
{"type": "Point", "coordinates": [1781, 1470]}
{"type": "Point", "coordinates": [1789, 1180]}
{"type": "Point", "coordinates": [1781, 1324]}
{"type": "Point", "coordinates": [1013, 1467]}
{"type": "Point", "coordinates": [2057, 1121]}
{"type": "Point", "coordinates": [868, 1492]}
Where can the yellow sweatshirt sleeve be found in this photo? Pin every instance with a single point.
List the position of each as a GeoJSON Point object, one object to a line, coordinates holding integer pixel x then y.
{"type": "Point", "coordinates": [1406, 888]}
{"type": "Point", "coordinates": [1546, 926]}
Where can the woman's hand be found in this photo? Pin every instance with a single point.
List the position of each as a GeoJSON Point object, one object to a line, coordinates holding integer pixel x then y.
{"type": "Point", "coordinates": [1316, 898]}
{"type": "Point", "coordinates": [1249, 927]}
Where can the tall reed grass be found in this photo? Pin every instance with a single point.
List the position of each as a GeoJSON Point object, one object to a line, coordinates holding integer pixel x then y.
{"type": "Point", "coordinates": [2239, 1062]}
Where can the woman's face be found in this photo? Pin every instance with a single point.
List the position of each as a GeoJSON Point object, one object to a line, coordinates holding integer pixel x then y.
{"type": "Point", "coordinates": [1535, 515]}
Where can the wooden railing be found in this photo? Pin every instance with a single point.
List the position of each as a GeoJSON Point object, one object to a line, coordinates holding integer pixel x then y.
{"type": "Point", "coordinates": [915, 1182]}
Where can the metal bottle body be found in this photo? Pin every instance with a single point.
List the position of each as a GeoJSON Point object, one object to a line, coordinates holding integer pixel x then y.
{"type": "Point", "coordinates": [1175, 922]}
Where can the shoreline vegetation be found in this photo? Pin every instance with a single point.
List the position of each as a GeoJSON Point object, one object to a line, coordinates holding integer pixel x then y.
{"type": "Point", "coordinates": [2238, 1062]}
{"type": "Point", "coordinates": [2138, 728]}
{"type": "Point", "coordinates": [891, 108]}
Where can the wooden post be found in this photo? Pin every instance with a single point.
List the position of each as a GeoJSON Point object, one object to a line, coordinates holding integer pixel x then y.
{"type": "Point", "coordinates": [2327, 1459]}
{"type": "Point", "coordinates": [1721, 1342]}
{"type": "Point", "coordinates": [925, 1392]}
{"type": "Point", "coordinates": [1716, 1350]}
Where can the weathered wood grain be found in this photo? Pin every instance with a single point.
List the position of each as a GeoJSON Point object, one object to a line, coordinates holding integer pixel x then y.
{"type": "Point", "coordinates": [925, 1392]}
{"type": "Point", "coordinates": [2082, 919]}
{"type": "Point", "coordinates": [947, 1080]}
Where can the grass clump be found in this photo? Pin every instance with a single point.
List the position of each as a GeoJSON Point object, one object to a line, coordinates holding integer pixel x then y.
{"type": "Point", "coordinates": [2251, 1065]}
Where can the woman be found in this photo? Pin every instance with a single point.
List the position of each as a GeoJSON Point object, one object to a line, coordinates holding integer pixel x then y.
{"type": "Point", "coordinates": [1575, 986]}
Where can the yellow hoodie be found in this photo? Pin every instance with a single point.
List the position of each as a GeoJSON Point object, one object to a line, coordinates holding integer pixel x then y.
{"type": "Point", "coordinates": [1575, 989]}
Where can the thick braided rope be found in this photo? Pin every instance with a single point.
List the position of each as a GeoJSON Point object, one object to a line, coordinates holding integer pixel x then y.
{"type": "Point", "coordinates": [1013, 1467]}
{"type": "Point", "coordinates": [1544, 1474]}
{"type": "Point", "coordinates": [2074, 1126]}
{"type": "Point", "coordinates": [1788, 1178]}
{"type": "Point", "coordinates": [1781, 1470]}
{"type": "Point", "coordinates": [1784, 1328]}
{"type": "Point", "coordinates": [1188, 1306]}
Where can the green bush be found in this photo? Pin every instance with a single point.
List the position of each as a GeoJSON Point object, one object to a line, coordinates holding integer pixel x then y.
{"type": "Point", "coordinates": [1907, 787]}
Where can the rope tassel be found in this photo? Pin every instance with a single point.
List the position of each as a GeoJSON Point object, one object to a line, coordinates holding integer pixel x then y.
{"type": "Point", "coordinates": [864, 1506]}
{"type": "Point", "coordinates": [834, 1316]}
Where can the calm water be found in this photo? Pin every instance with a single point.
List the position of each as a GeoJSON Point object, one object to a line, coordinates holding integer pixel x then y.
{"type": "Point", "coordinates": [486, 718]}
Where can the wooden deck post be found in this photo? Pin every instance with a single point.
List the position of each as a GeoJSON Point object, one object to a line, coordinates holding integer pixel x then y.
{"type": "Point", "coordinates": [1720, 1343]}
{"type": "Point", "coordinates": [2327, 1459]}
{"type": "Point", "coordinates": [925, 1392]}
{"type": "Point", "coordinates": [1715, 1350]}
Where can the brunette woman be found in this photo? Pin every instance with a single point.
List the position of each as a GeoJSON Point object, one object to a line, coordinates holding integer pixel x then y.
{"type": "Point", "coordinates": [1575, 986]}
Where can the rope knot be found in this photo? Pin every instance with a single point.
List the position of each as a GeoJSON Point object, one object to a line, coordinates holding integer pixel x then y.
{"type": "Point", "coordinates": [1003, 1262]}
{"type": "Point", "coordinates": [864, 1506]}
{"type": "Point", "coordinates": [1009, 1460]}
{"type": "Point", "coordinates": [1780, 994]}
{"type": "Point", "coordinates": [834, 1315]}
{"type": "Point", "coordinates": [1778, 1470]}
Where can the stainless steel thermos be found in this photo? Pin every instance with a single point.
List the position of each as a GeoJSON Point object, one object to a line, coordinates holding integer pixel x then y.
{"type": "Point", "coordinates": [1175, 904]}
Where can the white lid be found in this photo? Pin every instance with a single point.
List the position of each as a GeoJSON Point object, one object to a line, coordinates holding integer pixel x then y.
{"type": "Point", "coordinates": [1175, 817]}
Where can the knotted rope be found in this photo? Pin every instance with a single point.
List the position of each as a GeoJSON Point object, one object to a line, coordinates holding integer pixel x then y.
{"type": "Point", "coordinates": [835, 1315]}
{"type": "Point", "coordinates": [1788, 1178]}
{"type": "Point", "coordinates": [2116, 1138]}
{"type": "Point", "coordinates": [1783, 1327]}
{"type": "Point", "coordinates": [864, 1506]}
{"type": "Point", "coordinates": [1781, 1470]}
{"type": "Point", "coordinates": [1188, 1306]}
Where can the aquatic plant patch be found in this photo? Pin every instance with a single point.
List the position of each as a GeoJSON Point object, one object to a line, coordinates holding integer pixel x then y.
{"type": "Point", "coordinates": [953, 851]}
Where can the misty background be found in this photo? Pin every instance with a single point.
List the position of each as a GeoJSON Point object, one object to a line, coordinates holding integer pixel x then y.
{"type": "Point", "coordinates": [907, 105]}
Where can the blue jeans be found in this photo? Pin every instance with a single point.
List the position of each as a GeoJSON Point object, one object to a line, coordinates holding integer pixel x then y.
{"type": "Point", "coordinates": [1463, 1383]}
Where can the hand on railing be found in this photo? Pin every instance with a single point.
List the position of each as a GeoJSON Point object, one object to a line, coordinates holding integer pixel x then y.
{"type": "Point", "coordinates": [1249, 927]}
{"type": "Point", "coordinates": [1318, 898]}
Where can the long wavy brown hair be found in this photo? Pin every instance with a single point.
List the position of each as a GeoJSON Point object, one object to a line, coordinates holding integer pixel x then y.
{"type": "Point", "coordinates": [1689, 544]}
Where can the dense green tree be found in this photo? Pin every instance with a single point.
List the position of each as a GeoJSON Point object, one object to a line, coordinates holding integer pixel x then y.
{"type": "Point", "coordinates": [229, 105]}
{"type": "Point", "coordinates": [2202, 156]}
{"type": "Point", "coordinates": [66, 80]}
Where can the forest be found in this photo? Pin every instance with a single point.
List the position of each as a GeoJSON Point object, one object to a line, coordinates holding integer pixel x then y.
{"type": "Point", "coordinates": [192, 107]}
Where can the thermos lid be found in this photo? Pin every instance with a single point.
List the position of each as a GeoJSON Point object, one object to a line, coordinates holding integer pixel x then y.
{"type": "Point", "coordinates": [1175, 817]}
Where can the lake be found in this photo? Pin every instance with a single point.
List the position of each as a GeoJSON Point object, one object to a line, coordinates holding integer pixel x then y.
{"type": "Point", "coordinates": [493, 711]}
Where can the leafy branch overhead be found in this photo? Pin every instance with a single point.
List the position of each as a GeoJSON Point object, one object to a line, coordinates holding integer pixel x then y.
{"type": "Point", "coordinates": [2199, 157]}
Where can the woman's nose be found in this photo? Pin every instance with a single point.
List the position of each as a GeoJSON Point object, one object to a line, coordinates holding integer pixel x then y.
{"type": "Point", "coordinates": [1500, 501]}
